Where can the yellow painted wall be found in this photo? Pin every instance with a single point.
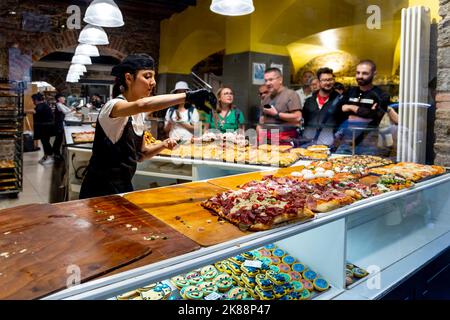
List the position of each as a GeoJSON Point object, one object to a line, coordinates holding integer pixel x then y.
{"type": "Point", "coordinates": [301, 29]}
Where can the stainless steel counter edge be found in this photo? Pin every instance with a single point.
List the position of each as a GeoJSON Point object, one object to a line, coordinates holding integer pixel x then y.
{"type": "Point", "coordinates": [105, 287]}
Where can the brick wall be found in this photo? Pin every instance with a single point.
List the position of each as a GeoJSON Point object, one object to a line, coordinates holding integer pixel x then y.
{"type": "Point", "coordinates": [47, 34]}
{"type": "Point", "coordinates": [442, 126]}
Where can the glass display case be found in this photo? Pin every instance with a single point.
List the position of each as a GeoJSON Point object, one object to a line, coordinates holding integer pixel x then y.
{"type": "Point", "coordinates": [390, 236]}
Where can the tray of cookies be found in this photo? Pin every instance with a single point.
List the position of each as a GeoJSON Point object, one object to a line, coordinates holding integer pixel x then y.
{"type": "Point", "coordinates": [354, 274]}
{"type": "Point", "coordinates": [268, 273]}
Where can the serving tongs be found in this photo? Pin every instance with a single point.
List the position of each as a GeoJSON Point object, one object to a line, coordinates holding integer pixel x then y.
{"type": "Point", "coordinates": [199, 83]}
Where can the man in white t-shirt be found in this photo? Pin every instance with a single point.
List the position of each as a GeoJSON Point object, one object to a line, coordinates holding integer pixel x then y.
{"type": "Point", "coordinates": [305, 91]}
{"type": "Point", "coordinates": [180, 120]}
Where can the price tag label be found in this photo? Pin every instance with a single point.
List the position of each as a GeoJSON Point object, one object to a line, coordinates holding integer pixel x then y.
{"type": "Point", "coordinates": [213, 296]}
{"type": "Point", "coordinates": [253, 263]}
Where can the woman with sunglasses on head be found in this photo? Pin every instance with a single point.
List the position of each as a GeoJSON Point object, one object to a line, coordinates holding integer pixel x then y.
{"type": "Point", "coordinates": [226, 117]}
{"type": "Point", "coordinates": [119, 136]}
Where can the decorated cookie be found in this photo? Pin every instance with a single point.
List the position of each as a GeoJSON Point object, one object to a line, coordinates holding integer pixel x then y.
{"type": "Point", "coordinates": [270, 247]}
{"type": "Point", "coordinates": [294, 296]}
{"type": "Point", "coordinates": [180, 282]}
{"type": "Point", "coordinates": [279, 253]}
{"type": "Point", "coordinates": [152, 295]}
{"type": "Point", "coordinates": [191, 293]}
{"type": "Point", "coordinates": [321, 284]}
{"type": "Point", "coordinates": [307, 285]}
{"type": "Point", "coordinates": [288, 260]}
{"type": "Point", "coordinates": [237, 293]}
{"type": "Point", "coordinates": [209, 272]}
{"type": "Point", "coordinates": [253, 293]}
{"type": "Point", "coordinates": [265, 260]}
{"type": "Point", "coordinates": [265, 252]}
{"type": "Point", "coordinates": [149, 287]}
{"type": "Point", "coordinates": [248, 255]}
{"type": "Point", "coordinates": [219, 266]}
{"type": "Point", "coordinates": [275, 268]}
{"type": "Point", "coordinates": [239, 259]}
{"type": "Point", "coordinates": [275, 260]}
{"type": "Point", "coordinates": [279, 291]}
{"type": "Point", "coordinates": [305, 294]}
{"type": "Point", "coordinates": [284, 267]}
{"type": "Point", "coordinates": [309, 275]}
{"type": "Point", "coordinates": [226, 267]}
{"type": "Point", "coordinates": [194, 278]}
{"type": "Point", "coordinates": [298, 267]}
{"type": "Point", "coordinates": [265, 294]}
{"type": "Point", "coordinates": [263, 282]}
{"type": "Point", "coordinates": [249, 282]}
{"type": "Point", "coordinates": [349, 266]}
{"type": "Point", "coordinates": [298, 286]}
{"type": "Point", "coordinates": [237, 280]}
{"type": "Point", "coordinates": [348, 281]}
{"type": "Point", "coordinates": [264, 268]}
{"type": "Point", "coordinates": [295, 276]}
{"type": "Point", "coordinates": [160, 292]}
{"type": "Point", "coordinates": [249, 271]}
{"type": "Point", "coordinates": [128, 295]}
{"type": "Point", "coordinates": [359, 273]}
{"type": "Point", "coordinates": [224, 282]}
{"type": "Point", "coordinates": [207, 288]}
{"type": "Point", "coordinates": [288, 287]}
{"type": "Point", "coordinates": [235, 268]}
{"type": "Point", "coordinates": [256, 254]}
{"type": "Point", "coordinates": [349, 273]}
{"type": "Point", "coordinates": [276, 278]}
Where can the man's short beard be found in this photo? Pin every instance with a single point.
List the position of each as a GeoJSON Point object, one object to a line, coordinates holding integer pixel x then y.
{"type": "Point", "coordinates": [327, 90]}
{"type": "Point", "coordinates": [362, 82]}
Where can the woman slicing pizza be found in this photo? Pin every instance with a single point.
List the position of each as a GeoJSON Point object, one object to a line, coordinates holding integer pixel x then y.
{"type": "Point", "coordinates": [119, 137]}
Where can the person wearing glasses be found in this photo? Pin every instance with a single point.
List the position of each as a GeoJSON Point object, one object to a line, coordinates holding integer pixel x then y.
{"type": "Point", "coordinates": [305, 91]}
{"type": "Point", "coordinates": [280, 111]}
{"type": "Point", "coordinates": [321, 112]}
{"type": "Point", "coordinates": [227, 117]}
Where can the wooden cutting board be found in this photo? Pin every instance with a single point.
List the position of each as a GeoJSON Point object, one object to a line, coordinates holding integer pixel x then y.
{"type": "Point", "coordinates": [128, 216]}
{"type": "Point", "coordinates": [43, 248]}
{"type": "Point", "coordinates": [179, 207]}
{"type": "Point", "coordinates": [234, 182]}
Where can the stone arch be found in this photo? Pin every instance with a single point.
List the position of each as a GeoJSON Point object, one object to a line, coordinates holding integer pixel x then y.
{"type": "Point", "coordinates": [49, 43]}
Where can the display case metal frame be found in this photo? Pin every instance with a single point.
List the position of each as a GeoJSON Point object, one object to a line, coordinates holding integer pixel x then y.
{"type": "Point", "coordinates": [107, 287]}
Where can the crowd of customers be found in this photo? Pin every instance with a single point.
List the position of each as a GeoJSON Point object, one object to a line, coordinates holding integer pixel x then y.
{"type": "Point", "coordinates": [321, 112]}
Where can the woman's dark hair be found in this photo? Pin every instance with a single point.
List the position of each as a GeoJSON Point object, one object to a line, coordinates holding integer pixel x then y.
{"type": "Point", "coordinates": [131, 64]}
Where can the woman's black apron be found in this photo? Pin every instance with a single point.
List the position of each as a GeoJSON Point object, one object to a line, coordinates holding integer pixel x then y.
{"type": "Point", "coordinates": [112, 166]}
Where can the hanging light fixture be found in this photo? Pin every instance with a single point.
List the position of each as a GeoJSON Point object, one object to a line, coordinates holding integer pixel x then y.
{"type": "Point", "coordinates": [104, 13]}
{"type": "Point", "coordinates": [93, 35]}
{"type": "Point", "coordinates": [72, 78]}
{"type": "Point", "coordinates": [81, 59]}
{"type": "Point", "coordinates": [232, 7]}
{"type": "Point", "coordinates": [87, 50]}
{"type": "Point", "coordinates": [77, 68]}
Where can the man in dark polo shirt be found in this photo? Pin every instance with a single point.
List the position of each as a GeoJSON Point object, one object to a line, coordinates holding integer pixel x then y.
{"type": "Point", "coordinates": [364, 106]}
{"type": "Point", "coordinates": [280, 111]}
{"type": "Point", "coordinates": [321, 112]}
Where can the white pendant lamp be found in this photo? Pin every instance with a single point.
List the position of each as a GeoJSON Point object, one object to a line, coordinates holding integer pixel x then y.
{"type": "Point", "coordinates": [77, 68]}
{"type": "Point", "coordinates": [104, 13]}
{"type": "Point", "coordinates": [93, 35]}
{"type": "Point", "coordinates": [80, 59]}
{"type": "Point", "coordinates": [87, 50]}
{"type": "Point", "coordinates": [232, 7]}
